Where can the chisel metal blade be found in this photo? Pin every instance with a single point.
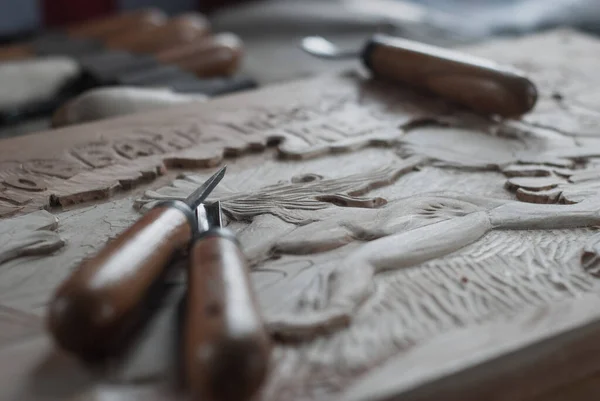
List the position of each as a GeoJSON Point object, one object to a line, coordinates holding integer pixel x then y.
{"type": "Point", "coordinates": [200, 194]}
{"type": "Point", "coordinates": [214, 214]}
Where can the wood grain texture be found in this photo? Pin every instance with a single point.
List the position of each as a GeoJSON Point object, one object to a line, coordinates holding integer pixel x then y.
{"type": "Point", "coordinates": [391, 250]}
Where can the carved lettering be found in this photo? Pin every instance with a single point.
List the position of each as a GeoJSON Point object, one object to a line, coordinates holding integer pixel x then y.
{"type": "Point", "coordinates": [95, 154]}
{"type": "Point", "coordinates": [7, 210]}
{"type": "Point", "coordinates": [13, 197]}
{"type": "Point", "coordinates": [26, 182]}
{"type": "Point", "coordinates": [277, 118]}
{"type": "Point", "coordinates": [134, 148]}
{"type": "Point", "coordinates": [354, 126]}
{"type": "Point", "coordinates": [177, 141]}
{"type": "Point", "coordinates": [313, 134]}
{"type": "Point", "coordinates": [53, 167]}
{"type": "Point", "coordinates": [145, 175]}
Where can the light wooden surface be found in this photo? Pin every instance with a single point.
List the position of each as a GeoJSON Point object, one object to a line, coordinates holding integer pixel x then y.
{"type": "Point", "coordinates": [401, 248]}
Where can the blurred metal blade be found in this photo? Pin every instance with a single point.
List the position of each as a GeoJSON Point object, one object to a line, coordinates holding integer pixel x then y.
{"type": "Point", "coordinates": [200, 194]}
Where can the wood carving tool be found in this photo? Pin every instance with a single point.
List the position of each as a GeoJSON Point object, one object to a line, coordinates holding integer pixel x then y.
{"type": "Point", "coordinates": [479, 84]}
{"type": "Point", "coordinates": [178, 30]}
{"type": "Point", "coordinates": [226, 348]}
{"type": "Point", "coordinates": [97, 305]}
{"type": "Point", "coordinates": [85, 37]}
{"type": "Point", "coordinates": [190, 68]}
{"type": "Point", "coordinates": [115, 25]}
{"type": "Point", "coordinates": [219, 55]}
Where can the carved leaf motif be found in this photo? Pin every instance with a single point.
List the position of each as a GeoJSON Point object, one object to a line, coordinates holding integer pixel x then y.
{"type": "Point", "coordinates": [555, 185]}
{"type": "Point", "coordinates": [293, 202]}
{"type": "Point", "coordinates": [31, 234]}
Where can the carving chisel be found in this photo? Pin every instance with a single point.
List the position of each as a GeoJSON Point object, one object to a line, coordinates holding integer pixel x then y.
{"type": "Point", "coordinates": [479, 84]}
{"type": "Point", "coordinates": [85, 37]}
{"type": "Point", "coordinates": [94, 308]}
{"type": "Point", "coordinates": [178, 30]}
{"type": "Point", "coordinates": [226, 348]}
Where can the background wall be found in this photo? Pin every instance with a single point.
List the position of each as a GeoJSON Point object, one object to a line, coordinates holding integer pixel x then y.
{"type": "Point", "coordinates": [18, 15]}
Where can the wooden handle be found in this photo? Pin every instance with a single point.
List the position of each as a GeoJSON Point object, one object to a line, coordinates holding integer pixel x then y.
{"type": "Point", "coordinates": [219, 55]}
{"type": "Point", "coordinates": [110, 28]}
{"type": "Point", "coordinates": [226, 348]}
{"type": "Point", "coordinates": [97, 304]}
{"type": "Point", "coordinates": [104, 28]}
{"type": "Point", "coordinates": [179, 30]}
{"type": "Point", "coordinates": [478, 84]}
{"type": "Point", "coordinates": [16, 52]}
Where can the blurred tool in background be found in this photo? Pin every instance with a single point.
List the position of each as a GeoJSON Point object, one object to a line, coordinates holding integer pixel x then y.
{"type": "Point", "coordinates": [478, 84]}
{"type": "Point", "coordinates": [165, 50]}
{"type": "Point", "coordinates": [142, 48]}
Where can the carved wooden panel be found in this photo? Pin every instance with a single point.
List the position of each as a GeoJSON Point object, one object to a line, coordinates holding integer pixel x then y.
{"type": "Point", "coordinates": [401, 248]}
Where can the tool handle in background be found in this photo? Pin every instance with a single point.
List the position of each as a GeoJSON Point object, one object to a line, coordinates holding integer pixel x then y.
{"type": "Point", "coordinates": [218, 55]}
{"type": "Point", "coordinates": [226, 347]}
{"type": "Point", "coordinates": [99, 302]}
{"type": "Point", "coordinates": [104, 28]}
{"type": "Point", "coordinates": [16, 52]}
{"type": "Point", "coordinates": [99, 29]}
{"type": "Point", "coordinates": [478, 84]}
{"type": "Point", "coordinates": [178, 30]}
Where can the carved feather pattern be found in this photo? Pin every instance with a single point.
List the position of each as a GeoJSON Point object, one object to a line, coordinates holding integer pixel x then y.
{"type": "Point", "coordinates": [295, 201]}
{"type": "Point", "coordinates": [493, 278]}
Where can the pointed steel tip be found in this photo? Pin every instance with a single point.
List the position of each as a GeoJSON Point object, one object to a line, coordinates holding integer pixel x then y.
{"type": "Point", "coordinates": [200, 194]}
{"type": "Point", "coordinates": [222, 170]}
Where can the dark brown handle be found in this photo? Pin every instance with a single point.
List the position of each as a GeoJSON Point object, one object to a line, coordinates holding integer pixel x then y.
{"type": "Point", "coordinates": [104, 28]}
{"type": "Point", "coordinates": [101, 29]}
{"type": "Point", "coordinates": [218, 55]}
{"type": "Point", "coordinates": [96, 305]}
{"type": "Point", "coordinates": [16, 52]}
{"type": "Point", "coordinates": [226, 348]}
{"type": "Point", "coordinates": [478, 84]}
{"type": "Point", "coordinates": [179, 30]}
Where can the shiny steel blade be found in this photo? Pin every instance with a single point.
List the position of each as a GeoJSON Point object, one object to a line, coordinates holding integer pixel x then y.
{"type": "Point", "coordinates": [199, 195]}
{"type": "Point", "coordinates": [214, 214]}
{"type": "Point", "coordinates": [202, 218]}
{"type": "Point", "coordinates": [320, 47]}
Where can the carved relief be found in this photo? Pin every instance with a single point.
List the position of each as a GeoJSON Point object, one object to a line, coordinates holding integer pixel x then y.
{"type": "Point", "coordinates": [31, 234]}
{"type": "Point", "coordinates": [399, 222]}
{"type": "Point", "coordinates": [54, 168]}
{"type": "Point", "coordinates": [14, 197]}
{"type": "Point", "coordinates": [25, 183]}
{"type": "Point", "coordinates": [133, 148]}
{"type": "Point", "coordinates": [95, 154]}
{"type": "Point", "coordinates": [330, 120]}
{"type": "Point", "coordinates": [327, 216]}
{"type": "Point", "coordinates": [295, 202]}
